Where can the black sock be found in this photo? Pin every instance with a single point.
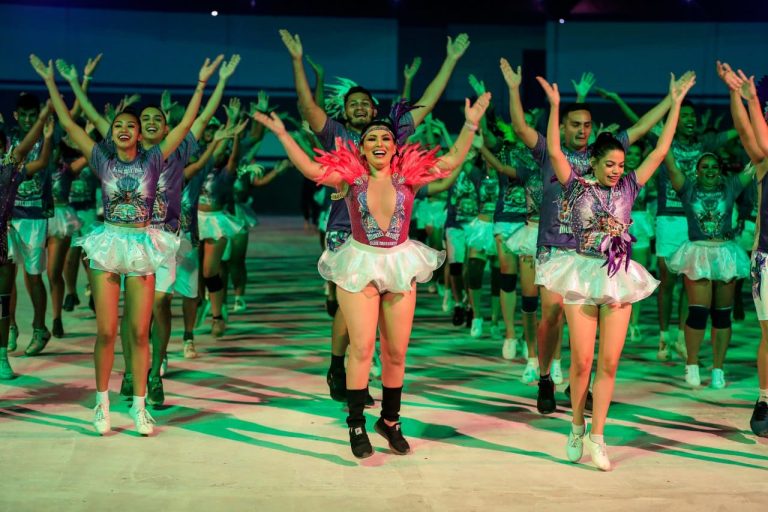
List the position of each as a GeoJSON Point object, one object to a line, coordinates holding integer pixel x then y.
{"type": "Point", "coordinates": [189, 335]}
{"type": "Point", "coordinates": [337, 362]}
{"type": "Point", "coordinates": [545, 377]}
{"type": "Point", "coordinates": [390, 403]}
{"type": "Point", "coordinates": [356, 404]}
{"type": "Point", "coordinates": [218, 317]}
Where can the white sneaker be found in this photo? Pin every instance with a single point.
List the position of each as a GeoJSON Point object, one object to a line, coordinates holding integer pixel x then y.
{"type": "Point", "coordinates": [447, 301]}
{"type": "Point", "coordinates": [556, 372]}
{"type": "Point", "coordinates": [718, 379]}
{"type": "Point", "coordinates": [477, 328]}
{"type": "Point", "coordinates": [531, 372]}
{"type": "Point", "coordinates": [575, 447]}
{"type": "Point", "coordinates": [495, 331]}
{"type": "Point", "coordinates": [142, 420]}
{"type": "Point", "coordinates": [509, 349]}
{"type": "Point", "coordinates": [101, 421]}
{"type": "Point", "coordinates": [692, 377]}
{"type": "Point", "coordinates": [189, 349]}
{"type": "Point", "coordinates": [523, 350]}
{"type": "Point", "coordinates": [599, 453]}
{"type": "Point", "coordinates": [6, 372]}
{"type": "Point", "coordinates": [240, 305]}
{"type": "Point", "coordinates": [680, 347]}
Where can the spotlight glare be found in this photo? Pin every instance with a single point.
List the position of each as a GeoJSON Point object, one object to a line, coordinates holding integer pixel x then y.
{"type": "Point", "coordinates": [214, 13]}
{"type": "Point", "coordinates": [561, 20]}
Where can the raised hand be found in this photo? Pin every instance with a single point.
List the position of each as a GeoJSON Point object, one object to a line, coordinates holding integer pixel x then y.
{"type": "Point", "coordinates": [477, 85]}
{"type": "Point", "coordinates": [292, 43]}
{"type": "Point", "coordinates": [512, 77]}
{"type": "Point", "coordinates": [109, 111]}
{"type": "Point", "coordinates": [456, 48]}
{"type": "Point", "coordinates": [272, 122]}
{"type": "Point", "coordinates": [45, 71]}
{"type": "Point", "coordinates": [50, 124]}
{"type": "Point", "coordinates": [240, 127]}
{"type": "Point", "coordinates": [262, 101]}
{"type": "Point", "coordinates": [475, 112]}
{"type": "Point", "coordinates": [233, 110]}
{"type": "Point", "coordinates": [90, 65]}
{"type": "Point", "coordinates": [411, 69]}
{"type": "Point", "coordinates": [584, 85]}
{"type": "Point", "coordinates": [166, 104]}
{"type": "Point", "coordinates": [553, 94]}
{"type": "Point", "coordinates": [208, 68]}
{"type": "Point", "coordinates": [127, 101]}
{"type": "Point", "coordinates": [228, 68]}
{"type": "Point", "coordinates": [679, 88]}
{"type": "Point", "coordinates": [282, 165]}
{"type": "Point", "coordinates": [317, 68]}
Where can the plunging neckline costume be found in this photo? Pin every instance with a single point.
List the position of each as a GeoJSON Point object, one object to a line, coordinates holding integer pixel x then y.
{"type": "Point", "coordinates": [387, 259]}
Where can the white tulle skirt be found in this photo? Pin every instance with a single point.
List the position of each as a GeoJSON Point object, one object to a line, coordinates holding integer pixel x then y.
{"type": "Point", "coordinates": [716, 261]}
{"type": "Point", "coordinates": [64, 222]}
{"type": "Point", "coordinates": [245, 214]}
{"type": "Point", "coordinates": [216, 225]}
{"type": "Point", "coordinates": [523, 241]}
{"type": "Point", "coordinates": [584, 280]}
{"type": "Point", "coordinates": [353, 266]}
{"type": "Point", "coordinates": [480, 236]}
{"type": "Point", "coordinates": [128, 250]}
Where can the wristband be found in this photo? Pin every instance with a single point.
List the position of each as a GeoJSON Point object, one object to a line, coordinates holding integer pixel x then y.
{"type": "Point", "coordinates": [469, 126]}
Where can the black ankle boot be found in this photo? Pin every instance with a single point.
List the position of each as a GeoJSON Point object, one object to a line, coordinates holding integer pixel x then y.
{"type": "Point", "coordinates": [358, 437]}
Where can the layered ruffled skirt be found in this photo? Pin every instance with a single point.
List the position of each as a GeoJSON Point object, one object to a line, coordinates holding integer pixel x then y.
{"type": "Point", "coordinates": [353, 266]}
{"type": "Point", "coordinates": [584, 279]}
{"type": "Point", "coordinates": [716, 261]}
{"type": "Point", "coordinates": [219, 224]}
{"type": "Point", "coordinates": [64, 223]}
{"type": "Point", "coordinates": [134, 251]}
{"type": "Point", "coordinates": [523, 241]}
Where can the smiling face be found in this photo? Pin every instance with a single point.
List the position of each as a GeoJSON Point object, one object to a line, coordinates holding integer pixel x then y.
{"type": "Point", "coordinates": [378, 147]}
{"type": "Point", "coordinates": [153, 125]}
{"type": "Point", "coordinates": [634, 157]}
{"type": "Point", "coordinates": [708, 171]}
{"type": "Point", "coordinates": [26, 117]}
{"type": "Point", "coordinates": [359, 110]}
{"type": "Point", "coordinates": [576, 128]}
{"type": "Point", "coordinates": [609, 168]}
{"type": "Point", "coordinates": [126, 131]}
{"type": "Point", "coordinates": [686, 124]}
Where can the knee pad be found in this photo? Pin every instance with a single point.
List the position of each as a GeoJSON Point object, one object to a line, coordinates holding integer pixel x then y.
{"type": "Point", "coordinates": [530, 304]}
{"type": "Point", "coordinates": [455, 269]}
{"type": "Point", "coordinates": [5, 306]}
{"type": "Point", "coordinates": [509, 283]}
{"type": "Point", "coordinates": [721, 318]}
{"type": "Point", "coordinates": [697, 317]}
{"type": "Point", "coordinates": [214, 283]}
{"type": "Point", "coordinates": [475, 277]}
{"type": "Point", "coordinates": [495, 281]}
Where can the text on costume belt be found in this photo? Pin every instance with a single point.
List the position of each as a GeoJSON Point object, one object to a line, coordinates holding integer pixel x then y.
{"type": "Point", "coordinates": [30, 203]}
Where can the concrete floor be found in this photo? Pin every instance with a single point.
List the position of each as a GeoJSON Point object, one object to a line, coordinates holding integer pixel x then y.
{"type": "Point", "coordinates": [249, 425]}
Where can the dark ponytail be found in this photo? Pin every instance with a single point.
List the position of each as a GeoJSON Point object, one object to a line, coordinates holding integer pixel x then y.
{"type": "Point", "coordinates": [604, 143]}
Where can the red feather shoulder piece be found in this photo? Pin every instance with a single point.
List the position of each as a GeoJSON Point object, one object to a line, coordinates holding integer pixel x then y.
{"type": "Point", "coordinates": [418, 166]}
{"type": "Point", "coordinates": [345, 160]}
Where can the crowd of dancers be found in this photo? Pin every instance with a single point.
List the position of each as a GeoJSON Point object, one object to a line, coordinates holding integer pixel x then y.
{"type": "Point", "coordinates": [155, 202]}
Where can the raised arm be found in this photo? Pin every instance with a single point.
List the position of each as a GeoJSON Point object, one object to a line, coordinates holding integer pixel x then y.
{"type": "Point", "coordinates": [677, 91]}
{"type": "Point", "coordinates": [739, 114]}
{"type": "Point", "coordinates": [69, 73]}
{"type": "Point", "coordinates": [319, 71]}
{"type": "Point", "coordinates": [81, 139]}
{"type": "Point", "coordinates": [748, 91]}
{"type": "Point", "coordinates": [614, 97]}
{"type": "Point", "coordinates": [298, 157]}
{"type": "Point", "coordinates": [458, 152]}
{"type": "Point", "coordinates": [513, 78]}
{"type": "Point", "coordinates": [676, 176]}
{"type": "Point", "coordinates": [310, 110]}
{"type": "Point", "coordinates": [90, 67]}
{"type": "Point", "coordinates": [496, 163]}
{"type": "Point", "coordinates": [225, 72]}
{"type": "Point", "coordinates": [22, 149]}
{"type": "Point", "coordinates": [45, 152]}
{"type": "Point", "coordinates": [454, 50]}
{"type": "Point", "coordinates": [281, 167]}
{"type": "Point", "coordinates": [234, 156]}
{"type": "Point", "coordinates": [169, 144]}
{"type": "Point", "coordinates": [556, 156]}
{"type": "Point", "coordinates": [443, 184]}
{"type": "Point", "coordinates": [408, 73]}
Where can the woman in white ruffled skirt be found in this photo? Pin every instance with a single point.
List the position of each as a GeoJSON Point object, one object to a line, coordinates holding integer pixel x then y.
{"type": "Point", "coordinates": [377, 269]}
{"type": "Point", "coordinates": [125, 246]}
{"type": "Point", "coordinates": [711, 261]}
{"type": "Point", "coordinates": [599, 281]}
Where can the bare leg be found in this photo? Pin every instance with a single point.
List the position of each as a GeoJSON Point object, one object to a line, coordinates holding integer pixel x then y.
{"type": "Point", "coordinates": [361, 311]}
{"type": "Point", "coordinates": [721, 337]}
{"type": "Point", "coordinates": [699, 294]}
{"type": "Point", "coordinates": [582, 322]}
{"type": "Point", "coordinates": [550, 327]}
{"type": "Point", "coordinates": [139, 297]}
{"type": "Point", "coordinates": [212, 252]}
{"type": "Point", "coordinates": [105, 287]}
{"type": "Point", "coordinates": [614, 320]}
